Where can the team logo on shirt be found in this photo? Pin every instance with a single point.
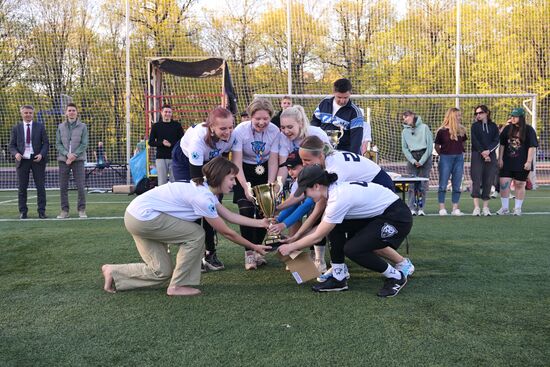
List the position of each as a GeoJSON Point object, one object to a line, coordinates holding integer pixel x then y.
{"type": "Point", "coordinates": [213, 154]}
{"type": "Point", "coordinates": [258, 147]}
{"type": "Point", "coordinates": [388, 231]}
{"type": "Point", "coordinates": [212, 208]}
{"type": "Point", "coordinates": [195, 155]}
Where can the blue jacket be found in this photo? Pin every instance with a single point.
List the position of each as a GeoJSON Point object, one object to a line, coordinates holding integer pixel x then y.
{"type": "Point", "coordinates": [349, 117]}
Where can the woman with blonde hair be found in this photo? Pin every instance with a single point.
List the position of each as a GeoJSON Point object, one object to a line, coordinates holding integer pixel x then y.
{"type": "Point", "coordinates": [449, 144]}
{"type": "Point", "coordinates": [295, 128]}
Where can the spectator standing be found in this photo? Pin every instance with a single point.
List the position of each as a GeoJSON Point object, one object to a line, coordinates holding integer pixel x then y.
{"type": "Point", "coordinates": [485, 139]}
{"type": "Point", "coordinates": [29, 145]}
{"type": "Point", "coordinates": [518, 145]}
{"type": "Point", "coordinates": [72, 141]}
{"type": "Point", "coordinates": [449, 144]}
{"type": "Point", "coordinates": [417, 147]}
{"type": "Point", "coordinates": [286, 102]}
{"type": "Point", "coordinates": [164, 134]}
{"type": "Point", "coordinates": [339, 111]}
{"type": "Point", "coordinates": [100, 156]}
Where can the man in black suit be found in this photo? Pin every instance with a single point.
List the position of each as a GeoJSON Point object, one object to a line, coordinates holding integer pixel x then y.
{"type": "Point", "coordinates": [29, 145]}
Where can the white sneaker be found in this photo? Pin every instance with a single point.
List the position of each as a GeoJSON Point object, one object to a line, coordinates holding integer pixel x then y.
{"type": "Point", "coordinates": [328, 274]}
{"type": "Point", "coordinates": [457, 213]}
{"type": "Point", "coordinates": [503, 211]}
{"type": "Point", "coordinates": [421, 213]}
{"type": "Point", "coordinates": [82, 214]}
{"type": "Point", "coordinates": [321, 265]}
{"type": "Point", "coordinates": [477, 212]}
{"type": "Point", "coordinates": [443, 212]}
{"type": "Point", "coordinates": [413, 212]}
{"type": "Point", "coordinates": [517, 211]}
{"type": "Point", "coordinates": [250, 260]}
{"type": "Point", "coordinates": [63, 215]}
{"type": "Point", "coordinates": [260, 260]}
{"type": "Point", "coordinates": [406, 267]}
{"type": "Point", "coordinates": [486, 212]}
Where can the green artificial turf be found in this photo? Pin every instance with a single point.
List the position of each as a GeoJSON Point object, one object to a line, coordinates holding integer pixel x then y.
{"type": "Point", "coordinates": [478, 298]}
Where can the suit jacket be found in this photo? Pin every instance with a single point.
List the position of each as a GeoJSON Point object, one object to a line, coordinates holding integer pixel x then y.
{"type": "Point", "coordinates": [39, 140]}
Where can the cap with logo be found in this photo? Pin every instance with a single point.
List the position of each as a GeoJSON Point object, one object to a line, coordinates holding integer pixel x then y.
{"type": "Point", "coordinates": [292, 160]}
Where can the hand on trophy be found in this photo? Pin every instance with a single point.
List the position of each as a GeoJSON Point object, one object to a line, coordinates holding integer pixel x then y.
{"type": "Point", "coordinates": [261, 249]}
{"type": "Point", "coordinates": [277, 228]}
{"type": "Point", "coordinates": [285, 250]}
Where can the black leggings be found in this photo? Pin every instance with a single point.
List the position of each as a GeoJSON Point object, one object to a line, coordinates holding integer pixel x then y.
{"type": "Point", "coordinates": [253, 234]}
{"type": "Point", "coordinates": [358, 238]}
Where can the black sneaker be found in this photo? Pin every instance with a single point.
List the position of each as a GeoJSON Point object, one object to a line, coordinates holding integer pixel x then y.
{"type": "Point", "coordinates": [331, 285]}
{"type": "Point", "coordinates": [392, 286]}
{"type": "Point", "coordinates": [212, 263]}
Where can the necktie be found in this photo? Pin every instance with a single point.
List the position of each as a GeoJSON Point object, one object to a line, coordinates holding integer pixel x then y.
{"type": "Point", "coordinates": [28, 139]}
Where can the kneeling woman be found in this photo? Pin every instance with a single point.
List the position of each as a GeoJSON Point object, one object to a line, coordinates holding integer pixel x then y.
{"type": "Point", "coordinates": [372, 216]}
{"type": "Point", "coordinates": [167, 215]}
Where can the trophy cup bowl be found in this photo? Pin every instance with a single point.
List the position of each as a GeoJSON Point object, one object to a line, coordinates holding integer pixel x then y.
{"type": "Point", "coordinates": [266, 198]}
{"type": "Point", "coordinates": [335, 136]}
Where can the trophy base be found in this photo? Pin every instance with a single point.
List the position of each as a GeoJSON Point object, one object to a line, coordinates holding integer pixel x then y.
{"type": "Point", "coordinates": [274, 242]}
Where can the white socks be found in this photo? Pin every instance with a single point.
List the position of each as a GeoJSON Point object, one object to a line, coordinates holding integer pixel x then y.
{"type": "Point", "coordinates": [518, 203]}
{"type": "Point", "coordinates": [339, 271]}
{"type": "Point", "coordinates": [505, 202]}
{"type": "Point", "coordinates": [392, 272]}
{"type": "Point", "coordinates": [320, 253]}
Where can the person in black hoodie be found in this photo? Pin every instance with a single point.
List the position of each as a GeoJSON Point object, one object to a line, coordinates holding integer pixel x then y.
{"type": "Point", "coordinates": [164, 134]}
{"type": "Point", "coordinates": [485, 140]}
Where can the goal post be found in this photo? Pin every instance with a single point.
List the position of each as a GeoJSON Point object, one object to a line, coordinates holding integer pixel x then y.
{"type": "Point", "coordinates": [384, 113]}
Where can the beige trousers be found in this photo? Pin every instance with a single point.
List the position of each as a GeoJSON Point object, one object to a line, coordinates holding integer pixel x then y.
{"type": "Point", "coordinates": [152, 238]}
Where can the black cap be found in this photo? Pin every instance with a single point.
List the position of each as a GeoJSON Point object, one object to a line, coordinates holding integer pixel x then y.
{"type": "Point", "coordinates": [292, 160]}
{"type": "Point", "coordinates": [309, 176]}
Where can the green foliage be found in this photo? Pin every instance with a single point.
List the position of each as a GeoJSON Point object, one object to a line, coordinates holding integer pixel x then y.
{"type": "Point", "coordinates": [76, 48]}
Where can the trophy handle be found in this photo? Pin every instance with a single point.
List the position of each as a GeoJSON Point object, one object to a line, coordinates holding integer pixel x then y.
{"type": "Point", "coordinates": [341, 133]}
{"type": "Point", "coordinates": [280, 183]}
{"type": "Point", "coordinates": [251, 192]}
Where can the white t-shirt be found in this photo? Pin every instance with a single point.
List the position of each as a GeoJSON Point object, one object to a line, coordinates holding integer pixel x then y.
{"type": "Point", "coordinates": [366, 131]}
{"type": "Point", "coordinates": [183, 200]}
{"type": "Point", "coordinates": [255, 146]}
{"type": "Point", "coordinates": [287, 146]}
{"type": "Point", "coordinates": [357, 200]}
{"type": "Point", "coordinates": [351, 166]}
{"type": "Point", "coordinates": [195, 148]}
{"type": "Point", "coordinates": [335, 107]}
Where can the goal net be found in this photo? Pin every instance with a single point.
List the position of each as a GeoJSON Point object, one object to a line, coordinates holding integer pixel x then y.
{"type": "Point", "coordinates": [384, 114]}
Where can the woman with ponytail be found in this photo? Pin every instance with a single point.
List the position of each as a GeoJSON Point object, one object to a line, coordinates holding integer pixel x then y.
{"type": "Point", "coordinates": [349, 167]}
{"type": "Point", "coordinates": [200, 144]}
{"type": "Point", "coordinates": [361, 218]}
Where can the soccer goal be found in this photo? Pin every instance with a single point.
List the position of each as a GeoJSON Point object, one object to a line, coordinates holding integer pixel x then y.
{"type": "Point", "coordinates": [192, 86]}
{"type": "Point", "coordinates": [384, 114]}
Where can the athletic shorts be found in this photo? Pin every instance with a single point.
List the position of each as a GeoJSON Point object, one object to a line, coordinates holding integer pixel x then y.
{"type": "Point", "coordinates": [516, 175]}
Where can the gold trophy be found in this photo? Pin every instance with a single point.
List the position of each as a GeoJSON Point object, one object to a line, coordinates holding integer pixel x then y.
{"type": "Point", "coordinates": [266, 197]}
{"type": "Point", "coordinates": [335, 136]}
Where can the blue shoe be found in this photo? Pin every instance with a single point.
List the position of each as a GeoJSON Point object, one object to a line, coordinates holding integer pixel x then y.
{"type": "Point", "coordinates": [406, 267]}
{"type": "Point", "coordinates": [328, 274]}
